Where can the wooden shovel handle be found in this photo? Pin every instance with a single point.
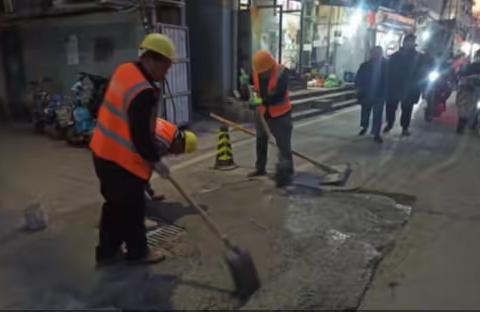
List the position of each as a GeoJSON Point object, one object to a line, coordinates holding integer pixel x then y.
{"type": "Point", "coordinates": [210, 223]}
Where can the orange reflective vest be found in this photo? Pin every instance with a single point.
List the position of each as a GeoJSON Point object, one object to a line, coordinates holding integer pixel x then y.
{"type": "Point", "coordinates": [276, 109]}
{"type": "Point", "coordinates": [112, 139]}
{"type": "Point", "coordinates": [165, 132]}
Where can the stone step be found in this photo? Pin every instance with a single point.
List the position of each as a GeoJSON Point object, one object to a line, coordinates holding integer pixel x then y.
{"type": "Point", "coordinates": [313, 92]}
{"type": "Point", "coordinates": [312, 102]}
{"type": "Point", "coordinates": [322, 109]}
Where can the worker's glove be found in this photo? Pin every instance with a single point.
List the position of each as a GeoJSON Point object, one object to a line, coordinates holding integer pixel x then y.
{"type": "Point", "coordinates": [254, 99]}
{"type": "Point", "coordinates": [255, 102]}
{"type": "Point", "coordinates": [162, 169]}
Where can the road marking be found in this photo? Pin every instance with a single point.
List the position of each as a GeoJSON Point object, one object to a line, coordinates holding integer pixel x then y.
{"type": "Point", "coordinates": [200, 158]}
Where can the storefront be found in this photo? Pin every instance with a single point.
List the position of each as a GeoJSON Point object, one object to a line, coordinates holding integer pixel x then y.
{"type": "Point", "coordinates": [304, 35]}
{"type": "Point", "coordinates": [390, 30]}
{"type": "Point", "coordinates": [338, 40]}
{"type": "Point", "coordinates": [276, 26]}
{"type": "Point", "coordinates": [311, 36]}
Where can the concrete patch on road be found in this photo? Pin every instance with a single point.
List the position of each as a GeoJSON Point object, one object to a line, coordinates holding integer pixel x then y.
{"type": "Point", "coordinates": [312, 251]}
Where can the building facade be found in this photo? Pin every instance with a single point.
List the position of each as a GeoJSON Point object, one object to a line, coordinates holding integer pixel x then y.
{"type": "Point", "coordinates": [55, 41]}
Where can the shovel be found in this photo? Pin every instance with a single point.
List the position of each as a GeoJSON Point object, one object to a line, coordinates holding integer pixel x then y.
{"type": "Point", "coordinates": [238, 260]}
{"type": "Point", "coordinates": [334, 176]}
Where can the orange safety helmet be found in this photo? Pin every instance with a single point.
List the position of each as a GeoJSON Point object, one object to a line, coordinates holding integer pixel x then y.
{"type": "Point", "coordinates": [263, 60]}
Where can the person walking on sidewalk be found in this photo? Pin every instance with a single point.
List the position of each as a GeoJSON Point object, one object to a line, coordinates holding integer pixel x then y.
{"type": "Point", "coordinates": [270, 81]}
{"type": "Point", "coordinates": [406, 73]}
{"type": "Point", "coordinates": [124, 151]}
{"type": "Point", "coordinates": [468, 94]}
{"type": "Point", "coordinates": [371, 87]}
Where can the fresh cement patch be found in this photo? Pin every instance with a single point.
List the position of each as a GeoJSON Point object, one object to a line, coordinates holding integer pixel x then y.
{"type": "Point", "coordinates": [329, 246]}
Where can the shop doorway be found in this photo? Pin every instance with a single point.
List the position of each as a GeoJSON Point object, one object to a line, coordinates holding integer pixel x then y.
{"type": "Point", "coordinates": [291, 38]}
{"type": "Point", "coordinates": [13, 65]}
{"type": "Point", "coordinates": [267, 29]}
{"type": "Point", "coordinates": [278, 31]}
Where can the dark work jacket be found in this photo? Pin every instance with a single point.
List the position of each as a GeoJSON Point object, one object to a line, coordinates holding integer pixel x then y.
{"type": "Point", "coordinates": [407, 72]}
{"type": "Point", "coordinates": [371, 80]}
{"type": "Point", "coordinates": [278, 96]}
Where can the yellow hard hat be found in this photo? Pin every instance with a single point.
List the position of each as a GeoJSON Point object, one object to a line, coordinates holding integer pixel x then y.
{"type": "Point", "coordinates": [263, 60]}
{"type": "Point", "coordinates": [160, 44]}
{"type": "Point", "coordinates": [191, 142]}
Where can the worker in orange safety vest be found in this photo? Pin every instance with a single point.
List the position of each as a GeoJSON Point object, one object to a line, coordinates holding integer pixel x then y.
{"type": "Point", "coordinates": [126, 149]}
{"type": "Point", "coordinates": [270, 83]}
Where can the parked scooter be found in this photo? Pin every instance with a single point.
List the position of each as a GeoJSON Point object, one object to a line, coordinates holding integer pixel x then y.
{"type": "Point", "coordinates": [80, 132]}
{"type": "Point", "coordinates": [58, 116]}
{"type": "Point", "coordinates": [93, 90]}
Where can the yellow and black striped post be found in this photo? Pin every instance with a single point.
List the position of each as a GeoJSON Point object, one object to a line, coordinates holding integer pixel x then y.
{"type": "Point", "coordinates": [224, 159]}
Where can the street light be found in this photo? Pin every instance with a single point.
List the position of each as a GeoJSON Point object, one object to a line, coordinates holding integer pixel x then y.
{"type": "Point", "coordinates": [390, 36]}
{"type": "Point", "coordinates": [466, 47]}
{"type": "Point", "coordinates": [426, 35]}
{"type": "Point", "coordinates": [355, 22]}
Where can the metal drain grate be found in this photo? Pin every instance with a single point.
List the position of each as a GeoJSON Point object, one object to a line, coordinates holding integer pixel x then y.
{"type": "Point", "coordinates": [165, 234]}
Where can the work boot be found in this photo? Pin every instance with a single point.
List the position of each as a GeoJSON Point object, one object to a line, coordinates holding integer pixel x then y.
{"type": "Point", "coordinates": [362, 132]}
{"type": "Point", "coordinates": [405, 132]}
{"type": "Point", "coordinates": [283, 177]}
{"type": "Point", "coordinates": [387, 128]}
{"type": "Point", "coordinates": [257, 173]}
{"type": "Point", "coordinates": [378, 139]}
{"type": "Point", "coordinates": [152, 257]}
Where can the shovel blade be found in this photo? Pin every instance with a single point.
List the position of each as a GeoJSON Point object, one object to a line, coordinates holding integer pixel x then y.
{"type": "Point", "coordinates": [337, 179]}
{"type": "Point", "coordinates": [243, 272]}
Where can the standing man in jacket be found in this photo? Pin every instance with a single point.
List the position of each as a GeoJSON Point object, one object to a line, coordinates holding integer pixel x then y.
{"type": "Point", "coordinates": [125, 150]}
{"type": "Point", "coordinates": [406, 73]}
{"type": "Point", "coordinates": [270, 82]}
{"type": "Point", "coordinates": [371, 87]}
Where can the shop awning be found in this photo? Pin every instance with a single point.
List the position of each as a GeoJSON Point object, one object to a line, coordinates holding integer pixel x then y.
{"type": "Point", "coordinates": [395, 21]}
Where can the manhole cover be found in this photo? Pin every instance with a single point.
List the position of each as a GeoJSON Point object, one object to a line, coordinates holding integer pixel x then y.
{"type": "Point", "coordinates": [164, 235]}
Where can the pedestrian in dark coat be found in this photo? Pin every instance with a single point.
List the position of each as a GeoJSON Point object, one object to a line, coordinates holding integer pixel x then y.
{"type": "Point", "coordinates": [371, 86]}
{"type": "Point", "coordinates": [406, 78]}
{"type": "Point", "coordinates": [468, 94]}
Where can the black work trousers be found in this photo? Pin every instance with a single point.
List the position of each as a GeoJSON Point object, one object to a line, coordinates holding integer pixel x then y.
{"type": "Point", "coordinates": [375, 104]}
{"type": "Point", "coordinates": [281, 128]}
{"type": "Point", "coordinates": [407, 109]}
{"type": "Point", "coordinates": [123, 212]}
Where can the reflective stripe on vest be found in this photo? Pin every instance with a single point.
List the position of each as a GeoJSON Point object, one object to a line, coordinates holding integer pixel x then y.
{"type": "Point", "coordinates": [112, 139]}
{"type": "Point", "coordinates": [277, 109]}
{"type": "Point", "coordinates": [165, 131]}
